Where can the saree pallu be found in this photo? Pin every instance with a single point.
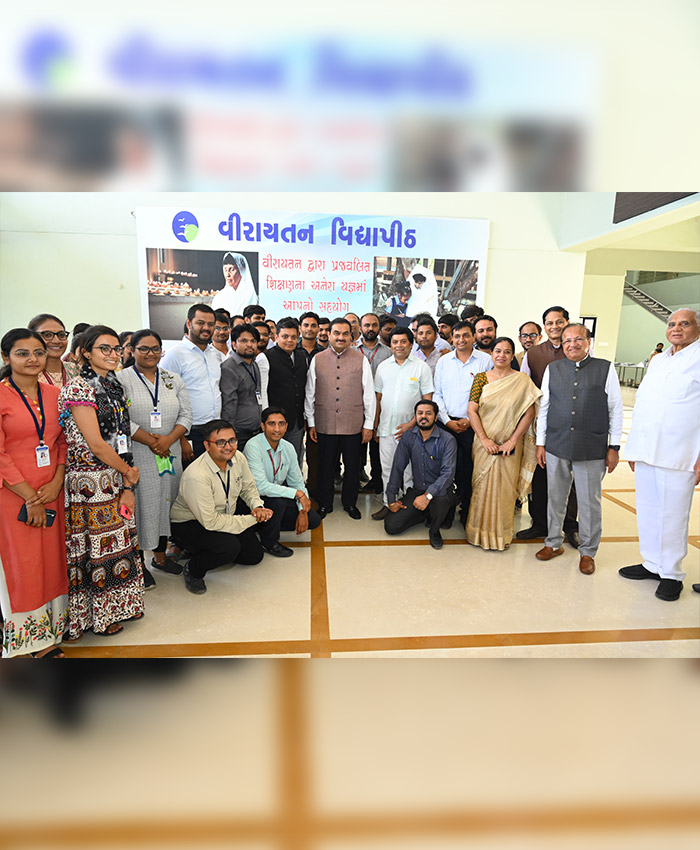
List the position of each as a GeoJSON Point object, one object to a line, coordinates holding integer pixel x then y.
{"type": "Point", "coordinates": [499, 480]}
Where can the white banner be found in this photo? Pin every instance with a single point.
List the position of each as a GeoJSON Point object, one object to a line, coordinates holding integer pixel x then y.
{"type": "Point", "coordinates": [293, 262]}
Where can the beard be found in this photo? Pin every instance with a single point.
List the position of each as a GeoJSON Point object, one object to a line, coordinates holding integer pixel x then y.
{"type": "Point", "coordinates": [370, 336]}
{"type": "Point", "coordinates": [423, 426]}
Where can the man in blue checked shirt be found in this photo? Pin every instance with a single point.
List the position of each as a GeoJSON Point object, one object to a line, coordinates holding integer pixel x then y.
{"type": "Point", "coordinates": [432, 453]}
{"type": "Point", "coordinates": [273, 463]}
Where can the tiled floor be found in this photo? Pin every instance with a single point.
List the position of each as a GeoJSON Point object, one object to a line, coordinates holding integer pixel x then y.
{"type": "Point", "coordinates": [351, 591]}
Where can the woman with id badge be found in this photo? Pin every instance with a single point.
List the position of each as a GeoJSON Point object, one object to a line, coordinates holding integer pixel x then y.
{"type": "Point", "coordinates": [33, 578]}
{"type": "Point", "coordinates": [105, 568]}
{"type": "Point", "coordinates": [160, 413]}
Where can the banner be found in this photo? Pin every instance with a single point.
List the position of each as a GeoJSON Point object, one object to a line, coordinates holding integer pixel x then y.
{"type": "Point", "coordinates": [293, 262]}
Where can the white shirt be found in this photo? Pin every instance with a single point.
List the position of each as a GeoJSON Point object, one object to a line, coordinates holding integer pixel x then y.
{"type": "Point", "coordinates": [453, 382]}
{"type": "Point", "coordinates": [612, 390]}
{"type": "Point", "coordinates": [369, 399]}
{"type": "Point", "coordinates": [264, 366]}
{"type": "Point", "coordinates": [401, 386]}
{"type": "Point", "coordinates": [666, 418]}
{"type": "Point", "coordinates": [201, 372]}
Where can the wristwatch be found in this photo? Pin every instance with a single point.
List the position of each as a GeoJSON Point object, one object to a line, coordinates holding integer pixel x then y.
{"type": "Point", "coordinates": [614, 448]}
{"type": "Point", "coordinates": [128, 487]}
{"type": "Point", "coordinates": [428, 496]}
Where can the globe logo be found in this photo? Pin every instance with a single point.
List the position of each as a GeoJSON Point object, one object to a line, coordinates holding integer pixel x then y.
{"type": "Point", "coordinates": [185, 226]}
{"type": "Point", "coordinates": [48, 60]}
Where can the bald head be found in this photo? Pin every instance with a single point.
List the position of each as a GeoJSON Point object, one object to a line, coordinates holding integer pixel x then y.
{"type": "Point", "coordinates": [682, 328]}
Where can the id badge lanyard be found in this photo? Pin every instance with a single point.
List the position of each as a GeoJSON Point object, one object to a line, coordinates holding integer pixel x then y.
{"type": "Point", "coordinates": [227, 487]}
{"type": "Point", "coordinates": [254, 379]}
{"type": "Point", "coordinates": [122, 443]}
{"type": "Point", "coordinates": [276, 469]}
{"type": "Point", "coordinates": [42, 450]}
{"type": "Point", "coordinates": [156, 419]}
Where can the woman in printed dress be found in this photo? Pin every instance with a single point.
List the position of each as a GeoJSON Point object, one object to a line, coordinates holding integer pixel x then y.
{"type": "Point", "coordinates": [33, 577]}
{"type": "Point", "coordinates": [104, 565]}
{"type": "Point", "coordinates": [52, 330]}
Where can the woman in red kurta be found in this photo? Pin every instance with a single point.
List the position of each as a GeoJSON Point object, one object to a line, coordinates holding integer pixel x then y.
{"type": "Point", "coordinates": [33, 572]}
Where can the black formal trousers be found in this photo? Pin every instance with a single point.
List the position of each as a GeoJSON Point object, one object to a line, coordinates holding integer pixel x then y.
{"type": "Point", "coordinates": [196, 437]}
{"type": "Point", "coordinates": [375, 464]}
{"type": "Point", "coordinates": [212, 549]}
{"type": "Point", "coordinates": [537, 504]}
{"type": "Point", "coordinates": [284, 518]}
{"type": "Point", "coordinates": [465, 469]}
{"type": "Point", "coordinates": [405, 518]}
{"type": "Point", "coordinates": [349, 445]}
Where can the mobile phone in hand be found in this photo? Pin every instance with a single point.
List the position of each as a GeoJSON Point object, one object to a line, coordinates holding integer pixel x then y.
{"type": "Point", "coordinates": [50, 516]}
{"type": "Point", "coordinates": [125, 512]}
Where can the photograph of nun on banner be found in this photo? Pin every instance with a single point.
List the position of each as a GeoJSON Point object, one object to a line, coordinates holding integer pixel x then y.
{"type": "Point", "coordinates": [179, 278]}
{"type": "Point", "coordinates": [407, 286]}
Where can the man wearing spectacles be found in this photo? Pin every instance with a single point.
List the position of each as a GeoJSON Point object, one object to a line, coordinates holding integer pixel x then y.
{"type": "Point", "coordinates": [535, 361]}
{"type": "Point", "coordinates": [663, 450]}
{"type": "Point", "coordinates": [203, 517]}
{"type": "Point", "coordinates": [578, 436]}
{"type": "Point", "coordinates": [529, 335]}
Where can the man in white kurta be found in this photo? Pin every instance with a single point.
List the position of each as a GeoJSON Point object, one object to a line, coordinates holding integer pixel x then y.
{"type": "Point", "coordinates": [663, 449]}
{"type": "Point", "coordinates": [400, 382]}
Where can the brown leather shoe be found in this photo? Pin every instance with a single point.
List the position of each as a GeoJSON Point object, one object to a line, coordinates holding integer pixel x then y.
{"type": "Point", "coordinates": [547, 553]}
{"type": "Point", "coordinates": [382, 513]}
{"type": "Point", "coordinates": [586, 565]}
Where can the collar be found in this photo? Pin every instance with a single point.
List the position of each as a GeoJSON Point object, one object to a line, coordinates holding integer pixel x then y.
{"type": "Point", "coordinates": [238, 359]}
{"type": "Point", "coordinates": [212, 466]}
{"type": "Point", "coordinates": [188, 342]}
{"type": "Point", "coordinates": [411, 358]}
{"type": "Point", "coordinates": [692, 347]}
{"type": "Point", "coordinates": [436, 433]}
{"type": "Point", "coordinates": [580, 362]}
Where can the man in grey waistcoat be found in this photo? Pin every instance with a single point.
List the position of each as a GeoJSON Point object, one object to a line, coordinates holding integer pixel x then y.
{"type": "Point", "coordinates": [578, 434]}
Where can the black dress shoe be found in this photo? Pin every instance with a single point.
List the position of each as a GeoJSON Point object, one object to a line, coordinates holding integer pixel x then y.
{"type": "Point", "coordinates": [696, 588]}
{"type": "Point", "coordinates": [436, 540]}
{"type": "Point", "coordinates": [382, 513]}
{"type": "Point", "coordinates": [194, 585]}
{"type": "Point", "coordinates": [669, 589]}
{"type": "Point", "coordinates": [446, 523]}
{"type": "Point", "coordinates": [323, 512]}
{"type": "Point", "coordinates": [638, 572]}
{"type": "Point", "coordinates": [170, 565]}
{"type": "Point", "coordinates": [531, 533]}
{"type": "Point", "coordinates": [279, 551]}
{"type": "Point", "coordinates": [353, 512]}
{"type": "Point", "coordinates": [573, 539]}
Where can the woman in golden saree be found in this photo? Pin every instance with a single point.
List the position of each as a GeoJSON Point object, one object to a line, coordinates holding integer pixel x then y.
{"type": "Point", "coordinates": [501, 410]}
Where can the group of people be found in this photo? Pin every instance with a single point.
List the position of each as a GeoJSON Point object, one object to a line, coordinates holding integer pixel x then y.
{"type": "Point", "coordinates": [197, 455]}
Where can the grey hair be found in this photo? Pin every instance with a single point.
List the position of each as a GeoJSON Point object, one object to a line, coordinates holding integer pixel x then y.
{"type": "Point", "coordinates": [696, 313]}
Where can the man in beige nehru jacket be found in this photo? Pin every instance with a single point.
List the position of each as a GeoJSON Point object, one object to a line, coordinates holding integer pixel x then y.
{"type": "Point", "coordinates": [339, 410]}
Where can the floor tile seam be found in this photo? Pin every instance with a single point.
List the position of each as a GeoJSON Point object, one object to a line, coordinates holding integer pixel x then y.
{"type": "Point", "coordinates": [323, 648]}
{"type": "Point", "coordinates": [620, 503]}
{"type": "Point", "coordinates": [334, 544]}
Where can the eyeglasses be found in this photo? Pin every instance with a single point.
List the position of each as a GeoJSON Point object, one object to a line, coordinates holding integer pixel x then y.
{"type": "Point", "coordinates": [107, 349]}
{"type": "Point", "coordinates": [23, 354]}
{"type": "Point", "coordinates": [149, 349]}
{"type": "Point", "coordinates": [220, 444]}
{"type": "Point", "coordinates": [529, 336]}
{"type": "Point", "coordinates": [49, 335]}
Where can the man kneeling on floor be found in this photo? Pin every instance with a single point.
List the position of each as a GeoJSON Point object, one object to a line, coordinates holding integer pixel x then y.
{"type": "Point", "coordinates": [432, 453]}
{"type": "Point", "coordinates": [274, 466]}
{"type": "Point", "coordinates": [203, 517]}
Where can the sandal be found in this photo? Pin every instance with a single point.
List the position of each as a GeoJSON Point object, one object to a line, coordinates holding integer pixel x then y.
{"type": "Point", "coordinates": [112, 629]}
{"type": "Point", "coordinates": [55, 652]}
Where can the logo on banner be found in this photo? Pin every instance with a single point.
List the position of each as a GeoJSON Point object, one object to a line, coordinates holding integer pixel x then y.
{"type": "Point", "coordinates": [48, 59]}
{"type": "Point", "coordinates": [185, 226]}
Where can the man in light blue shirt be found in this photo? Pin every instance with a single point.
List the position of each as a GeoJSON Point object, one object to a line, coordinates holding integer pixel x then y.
{"type": "Point", "coordinates": [454, 375]}
{"type": "Point", "coordinates": [199, 366]}
{"type": "Point", "coordinates": [275, 468]}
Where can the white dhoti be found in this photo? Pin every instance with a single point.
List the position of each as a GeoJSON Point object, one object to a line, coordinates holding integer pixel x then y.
{"type": "Point", "coordinates": [664, 499]}
{"type": "Point", "coordinates": [387, 450]}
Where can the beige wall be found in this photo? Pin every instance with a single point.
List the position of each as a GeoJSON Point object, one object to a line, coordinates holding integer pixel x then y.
{"type": "Point", "coordinates": [602, 297]}
{"type": "Point", "coordinates": [76, 254]}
